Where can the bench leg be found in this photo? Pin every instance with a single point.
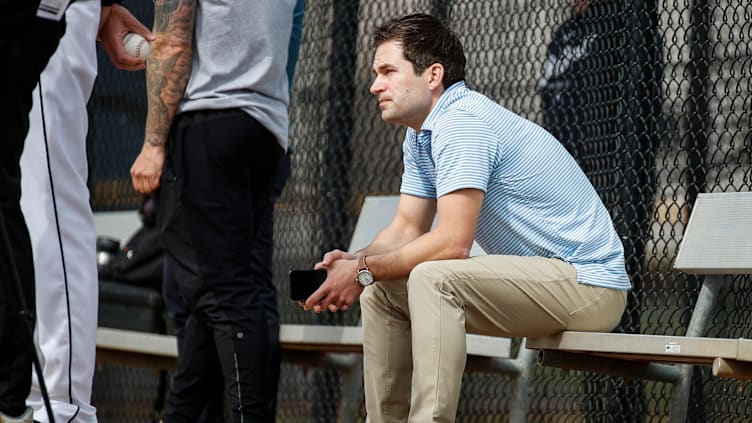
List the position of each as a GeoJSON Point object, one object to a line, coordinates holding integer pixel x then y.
{"type": "Point", "coordinates": [347, 411]}
{"type": "Point", "coordinates": [518, 406]}
{"type": "Point", "coordinates": [701, 317]}
{"type": "Point", "coordinates": [678, 406]}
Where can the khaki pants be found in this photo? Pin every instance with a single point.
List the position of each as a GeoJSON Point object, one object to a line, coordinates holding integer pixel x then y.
{"type": "Point", "coordinates": [414, 332]}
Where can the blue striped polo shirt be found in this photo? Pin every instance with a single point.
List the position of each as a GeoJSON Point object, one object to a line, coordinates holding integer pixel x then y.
{"type": "Point", "coordinates": [537, 200]}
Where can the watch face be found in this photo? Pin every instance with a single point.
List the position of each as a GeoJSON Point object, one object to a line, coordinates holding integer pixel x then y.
{"type": "Point", "coordinates": [365, 277]}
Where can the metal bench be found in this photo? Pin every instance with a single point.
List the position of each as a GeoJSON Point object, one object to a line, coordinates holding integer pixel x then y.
{"type": "Point", "coordinates": [336, 347]}
{"type": "Point", "coordinates": [717, 242]}
{"type": "Point", "coordinates": [144, 349]}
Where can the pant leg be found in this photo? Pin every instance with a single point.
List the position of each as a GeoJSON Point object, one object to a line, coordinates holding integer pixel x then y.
{"type": "Point", "coordinates": [55, 201]}
{"type": "Point", "coordinates": [28, 48]}
{"type": "Point", "coordinates": [261, 268]}
{"type": "Point", "coordinates": [16, 344]}
{"type": "Point", "coordinates": [387, 351]}
{"type": "Point", "coordinates": [222, 166]}
{"type": "Point", "coordinates": [497, 296]}
{"type": "Point", "coordinates": [177, 311]}
{"type": "Point", "coordinates": [187, 398]}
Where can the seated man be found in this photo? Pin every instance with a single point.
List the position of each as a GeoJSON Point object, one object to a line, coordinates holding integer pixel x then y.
{"type": "Point", "coordinates": [555, 261]}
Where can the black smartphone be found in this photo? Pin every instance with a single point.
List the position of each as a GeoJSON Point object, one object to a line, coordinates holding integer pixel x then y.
{"type": "Point", "coordinates": [303, 283]}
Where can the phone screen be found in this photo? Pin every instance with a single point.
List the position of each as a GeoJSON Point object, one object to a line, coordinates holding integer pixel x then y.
{"type": "Point", "coordinates": [303, 283]}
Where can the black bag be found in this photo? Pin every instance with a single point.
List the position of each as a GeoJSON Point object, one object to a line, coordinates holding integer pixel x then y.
{"type": "Point", "coordinates": [138, 263]}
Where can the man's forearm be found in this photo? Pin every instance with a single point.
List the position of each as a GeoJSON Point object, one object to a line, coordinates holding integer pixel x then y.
{"type": "Point", "coordinates": [169, 65]}
{"type": "Point", "coordinates": [389, 239]}
{"type": "Point", "coordinates": [398, 262]}
{"type": "Point", "coordinates": [415, 242]}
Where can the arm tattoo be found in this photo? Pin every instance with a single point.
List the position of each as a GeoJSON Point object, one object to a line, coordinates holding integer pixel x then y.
{"type": "Point", "coordinates": [169, 66]}
{"type": "Point", "coordinates": [162, 11]}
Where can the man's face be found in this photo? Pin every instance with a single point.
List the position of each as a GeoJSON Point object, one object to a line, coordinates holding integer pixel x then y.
{"type": "Point", "coordinates": [404, 97]}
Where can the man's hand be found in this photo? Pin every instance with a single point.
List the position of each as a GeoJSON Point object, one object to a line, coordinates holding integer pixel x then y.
{"type": "Point", "coordinates": [147, 169]}
{"type": "Point", "coordinates": [116, 21]}
{"type": "Point", "coordinates": [340, 289]}
{"type": "Point", "coordinates": [331, 256]}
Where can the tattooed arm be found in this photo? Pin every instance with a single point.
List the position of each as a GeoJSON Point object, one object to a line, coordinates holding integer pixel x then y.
{"type": "Point", "coordinates": [167, 72]}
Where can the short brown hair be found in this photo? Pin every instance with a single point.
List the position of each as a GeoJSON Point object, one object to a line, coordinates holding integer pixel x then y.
{"type": "Point", "coordinates": [425, 40]}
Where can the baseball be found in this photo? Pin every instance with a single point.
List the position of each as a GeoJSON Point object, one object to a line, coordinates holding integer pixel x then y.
{"type": "Point", "coordinates": [136, 45]}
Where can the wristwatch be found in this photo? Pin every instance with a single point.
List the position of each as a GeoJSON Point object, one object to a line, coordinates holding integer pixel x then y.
{"type": "Point", "coordinates": [364, 276]}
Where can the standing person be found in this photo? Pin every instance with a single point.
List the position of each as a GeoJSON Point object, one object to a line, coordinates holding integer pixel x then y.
{"type": "Point", "coordinates": [261, 263]}
{"type": "Point", "coordinates": [55, 202]}
{"type": "Point", "coordinates": [217, 124]}
{"type": "Point", "coordinates": [554, 260]}
{"type": "Point", "coordinates": [28, 41]}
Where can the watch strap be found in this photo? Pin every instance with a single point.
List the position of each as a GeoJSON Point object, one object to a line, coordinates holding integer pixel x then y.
{"type": "Point", "coordinates": [362, 265]}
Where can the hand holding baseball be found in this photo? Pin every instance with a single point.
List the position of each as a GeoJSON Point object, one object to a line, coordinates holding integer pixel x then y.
{"type": "Point", "coordinates": [136, 45]}
{"type": "Point", "coordinates": [115, 26]}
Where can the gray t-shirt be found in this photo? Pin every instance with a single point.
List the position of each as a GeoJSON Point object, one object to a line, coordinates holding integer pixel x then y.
{"type": "Point", "coordinates": [239, 60]}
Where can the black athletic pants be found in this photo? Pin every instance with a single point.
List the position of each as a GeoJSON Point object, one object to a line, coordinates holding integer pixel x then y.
{"type": "Point", "coordinates": [217, 177]}
{"type": "Point", "coordinates": [27, 48]}
{"type": "Point", "coordinates": [261, 269]}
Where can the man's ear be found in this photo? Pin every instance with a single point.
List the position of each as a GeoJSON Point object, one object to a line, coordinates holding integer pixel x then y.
{"type": "Point", "coordinates": [435, 74]}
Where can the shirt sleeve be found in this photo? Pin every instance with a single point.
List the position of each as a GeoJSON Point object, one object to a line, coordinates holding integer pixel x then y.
{"type": "Point", "coordinates": [465, 150]}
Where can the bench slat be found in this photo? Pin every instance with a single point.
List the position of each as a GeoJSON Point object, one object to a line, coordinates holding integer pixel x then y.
{"type": "Point", "coordinates": [321, 338]}
{"type": "Point", "coordinates": [160, 351]}
{"type": "Point", "coordinates": [137, 342]}
{"type": "Point", "coordinates": [667, 349]}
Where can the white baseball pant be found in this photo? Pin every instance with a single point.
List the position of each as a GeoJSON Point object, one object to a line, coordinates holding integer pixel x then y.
{"type": "Point", "coordinates": [55, 202]}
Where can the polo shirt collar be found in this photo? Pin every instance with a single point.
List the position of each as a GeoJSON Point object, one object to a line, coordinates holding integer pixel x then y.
{"type": "Point", "coordinates": [446, 98]}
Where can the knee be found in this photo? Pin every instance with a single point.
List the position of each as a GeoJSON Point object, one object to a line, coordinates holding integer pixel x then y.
{"type": "Point", "coordinates": [427, 276]}
{"type": "Point", "coordinates": [383, 297]}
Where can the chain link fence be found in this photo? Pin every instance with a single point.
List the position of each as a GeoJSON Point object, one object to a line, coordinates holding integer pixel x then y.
{"type": "Point", "coordinates": [651, 97]}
